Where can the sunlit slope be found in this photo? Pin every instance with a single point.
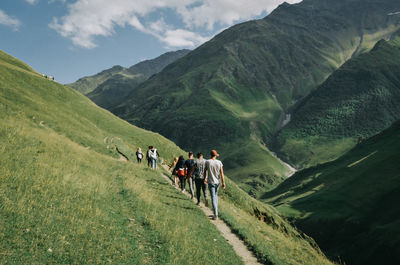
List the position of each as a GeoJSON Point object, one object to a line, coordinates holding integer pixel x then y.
{"type": "Point", "coordinates": [67, 198]}
{"type": "Point", "coordinates": [350, 205]}
{"type": "Point", "coordinates": [360, 99]}
{"type": "Point", "coordinates": [232, 92]}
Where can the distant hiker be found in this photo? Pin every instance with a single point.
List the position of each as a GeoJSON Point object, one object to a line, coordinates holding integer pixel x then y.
{"type": "Point", "coordinates": [139, 155]}
{"type": "Point", "coordinates": [154, 155]}
{"type": "Point", "coordinates": [213, 172]}
{"type": "Point", "coordinates": [148, 156]}
{"type": "Point", "coordinates": [180, 172]}
{"type": "Point", "coordinates": [197, 173]}
{"type": "Point", "coordinates": [189, 165]}
{"type": "Point", "coordinates": [172, 166]}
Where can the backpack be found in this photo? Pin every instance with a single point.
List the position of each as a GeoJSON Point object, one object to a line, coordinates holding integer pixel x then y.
{"type": "Point", "coordinates": [153, 154]}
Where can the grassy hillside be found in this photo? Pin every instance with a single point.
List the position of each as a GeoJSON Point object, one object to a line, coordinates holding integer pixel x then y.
{"type": "Point", "coordinates": [350, 205]}
{"type": "Point", "coordinates": [232, 93]}
{"type": "Point", "coordinates": [359, 100]}
{"type": "Point", "coordinates": [110, 86]}
{"type": "Point", "coordinates": [66, 198]}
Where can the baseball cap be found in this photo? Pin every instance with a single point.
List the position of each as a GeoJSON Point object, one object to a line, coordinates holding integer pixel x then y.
{"type": "Point", "coordinates": [214, 153]}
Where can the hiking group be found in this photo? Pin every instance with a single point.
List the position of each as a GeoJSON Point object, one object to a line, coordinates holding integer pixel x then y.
{"type": "Point", "coordinates": [204, 173]}
{"type": "Point", "coordinates": [207, 175]}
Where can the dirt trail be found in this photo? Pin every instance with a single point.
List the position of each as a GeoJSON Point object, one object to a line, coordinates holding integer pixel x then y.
{"type": "Point", "coordinates": [238, 245]}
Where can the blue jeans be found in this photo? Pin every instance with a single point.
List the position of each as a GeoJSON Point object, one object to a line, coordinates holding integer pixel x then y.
{"type": "Point", "coordinates": [214, 197]}
{"type": "Point", "coordinates": [153, 163]}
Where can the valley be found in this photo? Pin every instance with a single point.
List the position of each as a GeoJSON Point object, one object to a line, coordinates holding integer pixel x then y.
{"type": "Point", "coordinates": [232, 93]}
{"type": "Point", "coordinates": [302, 106]}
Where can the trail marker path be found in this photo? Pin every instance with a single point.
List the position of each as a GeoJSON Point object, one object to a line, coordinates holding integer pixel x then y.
{"type": "Point", "coordinates": [238, 245]}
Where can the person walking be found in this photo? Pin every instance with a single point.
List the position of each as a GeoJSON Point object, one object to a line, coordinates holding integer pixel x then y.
{"type": "Point", "coordinates": [189, 164]}
{"type": "Point", "coordinates": [139, 155]}
{"type": "Point", "coordinates": [180, 172]}
{"type": "Point", "coordinates": [148, 156]}
{"type": "Point", "coordinates": [213, 173]}
{"type": "Point", "coordinates": [197, 173]}
{"type": "Point", "coordinates": [153, 154]}
{"type": "Point", "coordinates": [174, 174]}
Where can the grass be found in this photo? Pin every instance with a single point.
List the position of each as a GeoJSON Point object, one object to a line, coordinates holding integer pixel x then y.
{"type": "Point", "coordinates": [90, 208]}
{"type": "Point", "coordinates": [349, 205]}
{"type": "Point", "coordinates": [65, 198]}
{"type": "Point", "coordinates": [265, 232]}
{"type": "Point", "coordinates": [359, 100]}
{"type": "Point", "coordinates": [313, 150]}
{"type": "Point", "coordinates": [267, 172]}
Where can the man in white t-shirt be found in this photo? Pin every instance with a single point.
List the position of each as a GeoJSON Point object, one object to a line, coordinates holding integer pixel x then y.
{"type": "Point", "coordinates": [213, 173]}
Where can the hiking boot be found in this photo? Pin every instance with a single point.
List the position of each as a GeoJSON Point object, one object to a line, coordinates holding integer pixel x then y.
{"type": "Point", "coordinates": [215, 217]}
{"type": "Point", "coordinates": [197, 203]}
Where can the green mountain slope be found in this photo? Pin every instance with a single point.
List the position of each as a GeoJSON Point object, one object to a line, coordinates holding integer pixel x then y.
{"type": "Point", "coordinates": [66, 198]}
{"type": "Point", "coordinates": [358, 100]}
{"type": "Point", "coordinates": [232, 93]}
{"type": "Point", "coordinates": [110, 86]}
{"type": "Point", "coordinates": [350, 205]}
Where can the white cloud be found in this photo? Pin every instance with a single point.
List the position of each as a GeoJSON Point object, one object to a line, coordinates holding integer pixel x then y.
{"type": "Point", "coordinates": [87, 19]}
{"type": "Point", "coordinates": [32, 2]}
{"type": "Point", "coordinates": [9, 21]}
{"type": "Point", "coordinates": [182, 38]}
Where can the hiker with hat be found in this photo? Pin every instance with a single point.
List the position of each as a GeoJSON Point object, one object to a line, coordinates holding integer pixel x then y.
{"type": "Point", "coordinates": [213, 173]}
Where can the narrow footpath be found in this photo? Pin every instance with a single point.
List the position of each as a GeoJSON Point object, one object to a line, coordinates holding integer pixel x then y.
{"type": "Point", "coordinates": [238, 245]}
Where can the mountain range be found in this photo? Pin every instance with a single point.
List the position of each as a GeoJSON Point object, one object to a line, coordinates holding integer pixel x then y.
{"type": "Point", "coordinates": [111, 86]}
{"type": "Point", "coordinates": [318, 83]}
{"type": "Point", "coordinates": [357, 101]}
{"type": "Point", "coordinates": [234, 92]}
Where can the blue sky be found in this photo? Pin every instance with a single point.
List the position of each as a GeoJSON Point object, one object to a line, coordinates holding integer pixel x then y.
{"type": "Point", "coordinates": [70, 39]}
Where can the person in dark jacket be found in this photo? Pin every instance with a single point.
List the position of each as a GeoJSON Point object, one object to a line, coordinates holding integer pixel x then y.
{"type": "Point", "coordinates": [189, 165]}
{"type": "Point", "coordinates": [180, 172]}
{"type": "Point", "coordinates": [148, 156]}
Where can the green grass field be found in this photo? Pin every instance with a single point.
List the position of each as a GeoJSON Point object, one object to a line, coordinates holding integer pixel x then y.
{"type": "Point", "coordinates": [349, 206]}
{"type": "Point", "coordinates": [360, 99]}
{"type": "Point", "coordinates": [66, 198]}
